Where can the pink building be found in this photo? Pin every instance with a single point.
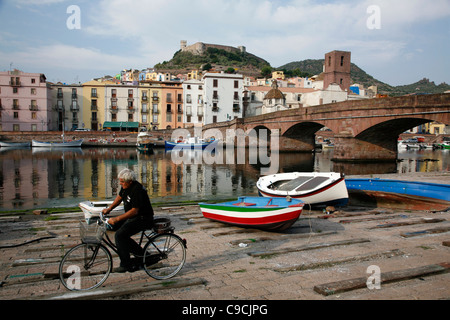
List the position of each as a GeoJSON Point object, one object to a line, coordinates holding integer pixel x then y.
{"type": "Point", "coordinates": [25, 102]}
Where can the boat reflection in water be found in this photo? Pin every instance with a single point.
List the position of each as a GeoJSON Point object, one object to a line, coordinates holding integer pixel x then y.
{"type": "Point", "coordinates": [40, 177]}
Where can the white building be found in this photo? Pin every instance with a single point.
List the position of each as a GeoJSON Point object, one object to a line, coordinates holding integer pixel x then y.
{"type": "Point", "coordinates": [223, 97]}
{"type": "Point", "coordinates": [194, 102]}
{"type": "Point", "coordinates": [122, 103]}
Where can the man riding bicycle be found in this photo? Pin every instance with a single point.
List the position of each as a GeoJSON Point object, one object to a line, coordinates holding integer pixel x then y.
{"type": "Point", "coordinates": [138, 216]}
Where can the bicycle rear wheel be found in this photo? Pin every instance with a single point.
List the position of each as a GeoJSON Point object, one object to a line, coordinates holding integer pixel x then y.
{"type": "Point", "coordinates": [164, 256]}
{"type": "Point", "coordinates": [85, 266]}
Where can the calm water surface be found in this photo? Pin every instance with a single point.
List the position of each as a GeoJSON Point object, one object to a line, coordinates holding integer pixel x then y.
{"type": "Point", "coordinates": [37, 178]}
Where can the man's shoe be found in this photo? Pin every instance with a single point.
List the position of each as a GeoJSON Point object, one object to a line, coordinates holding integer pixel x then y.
{"type": "Point", "coordinates": [120, 269]}
{"type": "Point", "coordinates": [126, 269]}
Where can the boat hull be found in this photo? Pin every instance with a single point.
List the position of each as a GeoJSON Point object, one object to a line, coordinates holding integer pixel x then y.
{"type": "Point", "coordinates": [331, 192]}
{"type": "Point", "coordinates": [14, 144]}
{"type": "Point", "coordinates": [252, 214]}
{"type": "Point", "coordinates": [92, 209]}
{"type": "Point", "coordinates": [398, 194]}
{"type": "Point", "coordinates": [146, 148]}
{"type": "Point", "coordinates": [75, 143]}
{"type": "Point", "coordinates": [171, 145]}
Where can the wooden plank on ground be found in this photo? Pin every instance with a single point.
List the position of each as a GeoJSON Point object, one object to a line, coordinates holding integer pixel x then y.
{"type": "Point", "coordinates": [408, 223]}
{"type": "Point", "coordinates": [369, 219]}
{"type": "Point", "coordinates": [283, 237]}
{"type": "Point", "coordinates": [425, 232]}
{"type": "Point", "coordinates": [307, 247]}
{"type": "Point", "coordinates": [385, 277]}
{"type": "Point", "coordinates": [330, 263]}
{"type": "Point", "coordinates": [124, 289]}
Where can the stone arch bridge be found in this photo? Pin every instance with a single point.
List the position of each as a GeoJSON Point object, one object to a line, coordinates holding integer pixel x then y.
{"type": "Point", "coordinates": [364, 130]}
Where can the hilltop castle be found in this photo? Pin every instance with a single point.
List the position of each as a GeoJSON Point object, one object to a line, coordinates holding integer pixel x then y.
{"type": "Point", "coordinates": [200, 48]}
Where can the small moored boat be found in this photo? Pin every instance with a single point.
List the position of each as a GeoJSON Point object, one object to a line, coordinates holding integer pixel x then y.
{"type": "Point", "coordinates": [313, 188]}
{"type": "Point", "coordinates": [189, 143]}
{"type": "Point", "coordinates": [399, 194]}
{"type": "Point", "coordinates": [144, 143]}
{"type": "Point", "coordinates": [92, 209]}
{"type": "Point", "coordinates": [52, 144]}
{"type": "Point", "coordinates": [275, 214]}
{"type": "Point", "coordinates": [4, 144]}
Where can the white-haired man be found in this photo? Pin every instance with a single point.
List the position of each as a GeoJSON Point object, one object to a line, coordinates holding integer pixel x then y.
{"type": "Point", "coordinates": [138, 216]}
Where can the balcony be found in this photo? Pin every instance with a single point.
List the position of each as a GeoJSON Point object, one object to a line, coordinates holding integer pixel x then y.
{"type": "Point", "coordinates": [74, 107]}
{"type": "Point", "coordinates": [94, 120]}
{"type": "Point", "coordinates": [215, 109]}
{"type": "Point", "coordinates": [16, 83]}
{"type": "Point", "coordinates": [33, 107]}
{"type": "Point", "coordinates": [144, 110]}
{"type": "Point", "coordinates": [155, 111]}
{"type": "Point", "coordinates": [215, 98]}
{"type": "Point", "coordinates": [93, 94]}
{"type": "Point", "coordinates": [59, 95]}
{"type": "Point", "coordinates": [94, 108]}
{"type": "Point", "coordinates": [59, 107]}
{"type": "Point", "coordinates": [155, 99]}
{"type": "Point", "coordinates": [114, 109]}
{"type": "Point", "coordinates": [131, 109]}
{"type": "Point", "coordinates": [16, 107]}
{"type": "Point", "coordinates": [144, 98]}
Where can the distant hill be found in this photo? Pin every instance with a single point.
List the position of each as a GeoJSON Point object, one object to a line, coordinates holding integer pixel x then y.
{"type": "Point", "coordinates": [315, 67]}
{"type": "Point", "coordinates": [223, 58]}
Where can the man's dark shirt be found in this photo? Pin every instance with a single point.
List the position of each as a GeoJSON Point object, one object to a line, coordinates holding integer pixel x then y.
{"type": "Point", "coordinates": [135, 196]}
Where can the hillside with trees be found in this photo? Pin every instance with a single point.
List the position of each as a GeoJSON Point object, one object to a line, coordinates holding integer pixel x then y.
{"type": "Point", "coordinates": [251, 65]}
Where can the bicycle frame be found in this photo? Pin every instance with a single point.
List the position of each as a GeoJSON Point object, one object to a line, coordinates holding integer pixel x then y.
{"type": "Point", "coordinates": [143, 235]}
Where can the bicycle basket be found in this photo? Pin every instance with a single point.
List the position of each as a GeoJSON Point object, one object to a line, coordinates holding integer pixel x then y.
{"type": "Point", "coordinates": [162, 225]}
{"type": "Point", "coordinates": [91, 233]}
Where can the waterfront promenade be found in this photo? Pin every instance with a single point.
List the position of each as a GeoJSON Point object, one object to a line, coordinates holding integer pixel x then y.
{"type": "Point", "coordinates": [322, 257]}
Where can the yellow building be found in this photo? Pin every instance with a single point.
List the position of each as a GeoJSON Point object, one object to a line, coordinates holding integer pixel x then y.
{"type": "Point", "coordinates": [150, 105]}
{"type": "Point", "coordinates": [278, 75]}
{"type": "Point", "coordinates": [193, 75]}
{"type": "Point", "coordinates": [435, 128]}
{"type": "Point", "coordinates": [93, 105]}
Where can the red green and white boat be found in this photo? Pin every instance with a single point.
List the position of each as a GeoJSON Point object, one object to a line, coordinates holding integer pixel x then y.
{"type": "Point", "coordinates": [275, 214]}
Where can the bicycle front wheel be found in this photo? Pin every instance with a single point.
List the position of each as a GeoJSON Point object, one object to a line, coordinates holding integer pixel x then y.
{"type": "Point", "coordinates": [164, 256]}
{"type": "Point", "coordinates": [85, 267]}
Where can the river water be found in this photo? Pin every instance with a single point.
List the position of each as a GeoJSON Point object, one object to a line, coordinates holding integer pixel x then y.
{"type": "Point", "coordinates": [41, 178]}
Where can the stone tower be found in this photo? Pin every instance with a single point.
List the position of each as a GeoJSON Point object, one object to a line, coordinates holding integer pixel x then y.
{"type": "Point", "coordinates": [183, 44]}
{"type": "Point", "coordinates": [337, 69]}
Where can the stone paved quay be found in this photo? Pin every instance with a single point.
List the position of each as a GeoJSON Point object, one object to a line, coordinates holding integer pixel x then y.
{"type": "Point", "coordinates": [322, 257]}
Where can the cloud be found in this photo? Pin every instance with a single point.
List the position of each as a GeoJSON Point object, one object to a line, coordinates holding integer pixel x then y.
{"type": "Point", "coordinates": [64, 57]}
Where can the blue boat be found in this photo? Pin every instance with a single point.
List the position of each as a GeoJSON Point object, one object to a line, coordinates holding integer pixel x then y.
{"type": "Point", "coordinates": [190, 143]}
{"type": "Point", "coordinates": [399, 194]}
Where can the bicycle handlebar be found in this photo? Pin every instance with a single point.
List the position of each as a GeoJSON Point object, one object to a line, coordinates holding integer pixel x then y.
{"type": "Point", "coordinates": [104, 220]}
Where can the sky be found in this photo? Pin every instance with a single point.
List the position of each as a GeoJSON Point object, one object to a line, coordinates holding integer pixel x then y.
{"type": "Point", "coordinates": [396, 41]}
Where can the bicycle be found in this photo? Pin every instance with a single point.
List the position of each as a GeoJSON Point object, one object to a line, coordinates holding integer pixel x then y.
{"type": "Point", "coordinates": [87, 265]}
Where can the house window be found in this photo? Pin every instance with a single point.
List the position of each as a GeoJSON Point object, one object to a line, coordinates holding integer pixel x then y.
{"type": "Point", "coordinates": [215, 83]}
{"type": "Point", "coordinates": [236, 84]}
{"type": "Point", "coordinates": [342, 61]}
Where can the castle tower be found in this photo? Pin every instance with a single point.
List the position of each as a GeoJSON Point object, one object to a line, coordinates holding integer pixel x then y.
{"type": "Point", "coordinates": [183, 44]}
{"type": "Point", "coordinates": [337, 69]}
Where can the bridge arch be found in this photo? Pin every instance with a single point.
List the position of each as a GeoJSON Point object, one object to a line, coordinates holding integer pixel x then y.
{"type": "Point", "coordinates": [385, 134]}
{"type": "Point", "coordinates": [300, 136]}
